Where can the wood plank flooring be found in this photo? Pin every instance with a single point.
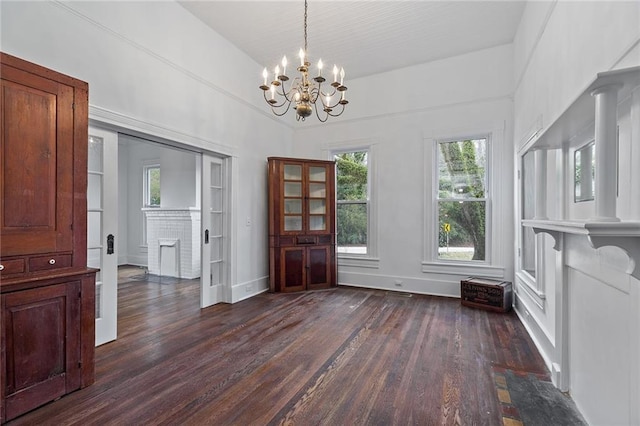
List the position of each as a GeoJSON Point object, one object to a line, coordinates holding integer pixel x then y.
{"type": "Point", "coordinates": [344, 356]}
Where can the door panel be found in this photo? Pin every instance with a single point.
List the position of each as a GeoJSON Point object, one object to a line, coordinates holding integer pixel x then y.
{"type": "Point", "coordinates": [102, 222]}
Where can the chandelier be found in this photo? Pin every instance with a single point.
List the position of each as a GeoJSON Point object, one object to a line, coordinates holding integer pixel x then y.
{"type": "Point", "coordinates": [305, 93]}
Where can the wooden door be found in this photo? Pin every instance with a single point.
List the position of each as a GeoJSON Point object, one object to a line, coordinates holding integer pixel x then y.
{"type": "Point", "coordinates": [318, 188]}
{"type": "Point", "coordinates": [36, 211]}
{"type": "Point", "coordinates": [293, 269]}
{"type": "Point", "coordinates": [318, 267]}
{"type": "Point", "coordinates": [41, 338]}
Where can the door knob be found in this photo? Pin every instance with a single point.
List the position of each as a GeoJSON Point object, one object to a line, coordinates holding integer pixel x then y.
{"type": "Point", "coordinates": [110, 243]}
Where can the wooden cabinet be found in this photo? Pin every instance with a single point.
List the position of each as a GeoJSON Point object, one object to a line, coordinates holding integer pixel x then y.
{"type": "Point", "coordinates": [301, 224]}
{"type": "Point", "coordinates": [47, 292]}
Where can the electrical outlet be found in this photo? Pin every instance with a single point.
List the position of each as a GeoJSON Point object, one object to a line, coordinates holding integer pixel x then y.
{"type": "Point", "coordinates": [248, 288]}
{"type": "Point", "coordinates": [398, 283]}
{"type": "Point", "coordinates": [248, 221]}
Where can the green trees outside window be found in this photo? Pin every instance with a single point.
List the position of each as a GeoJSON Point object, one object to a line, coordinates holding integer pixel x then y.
{"type": "Point", "coordinates": [352, 201]}
{"type": "Point", "coordinates": [152, 186]}
{"type": "Point", "coordinates": [462, 199]}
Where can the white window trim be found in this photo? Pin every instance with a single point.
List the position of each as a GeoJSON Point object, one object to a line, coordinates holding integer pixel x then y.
{"type": "Point", "coordinates": [431, 263]}
{"type": "Point", "coordinates": [369, 260]}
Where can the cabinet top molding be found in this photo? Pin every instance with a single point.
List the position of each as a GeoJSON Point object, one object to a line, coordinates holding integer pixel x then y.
{"type": "Point", "coordinates": [580, 115]}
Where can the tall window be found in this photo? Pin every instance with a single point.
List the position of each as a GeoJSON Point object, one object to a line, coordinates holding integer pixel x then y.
{"type": "Point", "coordinates": [462, 199]}
{"type": "Point", "coordinates": [152, 185]}
{"type": "Point", "coordinates": [352, 205]}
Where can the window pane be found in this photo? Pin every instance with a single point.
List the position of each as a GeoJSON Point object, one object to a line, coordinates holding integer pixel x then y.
{"type": "Point", "coordinates": [293, 223]}
{"type": "Point", "coordinates": [293, 206]}
{"type": "Point", "coordinates": [461, 227]}
{"type": "Point", "coordinates": [94, 228]}
{"type": "Point", "coordinates": [317, 223]}
{"type": "Point", "coordinates": [94, 192]}
{"type": "Point", "coordinates": [352, 228]}
{"type": "Point", "coordinates": [317, 206]}
{"type": "Point", "coordinates": [352, 174]}
{"type": "Point", "coordinates": [461, 169]}
{"type": "Point", "coordinates": [292, 172]}
{"type": "Point", "coordinates": [95, 154]}
{"type": "Point", "coordinates": [216, 199]}
{"type": "Point", "coordinates": [153, 186]}
{"type": "Point", "coordinates": [529, 250]}
{"type": "Point", "coordinates": [317, 174]}
{"type": "Point", "coordinates": [292, 189]}
{"type": "Point", "coordinates": [317, 190]}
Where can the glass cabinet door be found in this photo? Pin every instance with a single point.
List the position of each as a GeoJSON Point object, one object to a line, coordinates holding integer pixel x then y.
{"type": "Point", "coordinates": [292, 192]}
{"type": "Point", "coordinates": [317, 201]}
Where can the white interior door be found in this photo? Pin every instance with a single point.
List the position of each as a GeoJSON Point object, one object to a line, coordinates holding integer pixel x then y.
{"type": "Point", "coordinates": [214, 225]}
{"type": "Point", "coordinates": [102, 225]}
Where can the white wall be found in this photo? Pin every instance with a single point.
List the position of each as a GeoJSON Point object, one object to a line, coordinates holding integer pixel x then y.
{"type": "Point", "coordinates": [559, 49]}
{"type": "Point", "coordinates": [154, 68]}
{"type": "Point", "coordinates": [462, 96]}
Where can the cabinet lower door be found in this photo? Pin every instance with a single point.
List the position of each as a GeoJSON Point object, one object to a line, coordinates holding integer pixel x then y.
{"type": "Point", "coordinates": [41, 346]}
{"type": "Point", "coordinates": [293, 270]}
{"type": "Point", "coordinates": [318, 267]}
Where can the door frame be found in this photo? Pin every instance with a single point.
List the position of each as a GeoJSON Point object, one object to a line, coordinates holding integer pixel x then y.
{"type": "Point", "coordinates": [108, 120]}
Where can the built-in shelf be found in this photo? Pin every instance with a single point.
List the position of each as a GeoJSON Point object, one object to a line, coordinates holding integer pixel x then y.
{"type": "Point", "coordinates": [579, 117]}
{"type": "Point", "coordinates": [625, 235]}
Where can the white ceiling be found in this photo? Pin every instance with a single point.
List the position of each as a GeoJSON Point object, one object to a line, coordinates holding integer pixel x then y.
{"type": "Point", "coordinates": [365, 37]}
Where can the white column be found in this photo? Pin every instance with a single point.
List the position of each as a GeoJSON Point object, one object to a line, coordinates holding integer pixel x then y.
{"type": "Point", "coordinates": [540, 163]}
{"type": "Point", "coordinates": [606, 152]}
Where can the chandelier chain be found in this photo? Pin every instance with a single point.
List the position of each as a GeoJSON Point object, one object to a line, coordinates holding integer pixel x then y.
{"type": "Point", "coordinates": [305, 26]}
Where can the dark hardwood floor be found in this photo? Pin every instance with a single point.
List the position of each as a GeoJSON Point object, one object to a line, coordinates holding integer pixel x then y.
{"type": "Point", "coordinates": [337, 357]}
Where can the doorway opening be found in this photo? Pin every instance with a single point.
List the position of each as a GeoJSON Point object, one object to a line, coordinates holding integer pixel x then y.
{"type": "Point", "coordinates": [162, 233]}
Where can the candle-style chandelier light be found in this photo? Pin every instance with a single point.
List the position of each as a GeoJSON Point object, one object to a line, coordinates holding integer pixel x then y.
{"type": "Point", "coordinates": [306, 94]}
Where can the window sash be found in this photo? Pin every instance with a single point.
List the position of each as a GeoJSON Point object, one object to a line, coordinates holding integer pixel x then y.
{"type": "Point", "coordinates": [484, 165]}
{"type": "Point", "coordinates": [349, 249]}
{"type": "Point", "coordinates": [147, 184]}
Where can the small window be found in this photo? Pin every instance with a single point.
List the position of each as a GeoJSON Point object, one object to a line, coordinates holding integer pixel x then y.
{"type": "Point", "coordinates": [152, 186]}
{"type": "Point", "coordinates": [462, 200]}
{"type": "Point", "coordinates": [352, 205]}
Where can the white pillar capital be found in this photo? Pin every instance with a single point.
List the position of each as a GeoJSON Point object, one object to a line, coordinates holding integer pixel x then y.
{"type": "Point", "coordinates": [612, 87]}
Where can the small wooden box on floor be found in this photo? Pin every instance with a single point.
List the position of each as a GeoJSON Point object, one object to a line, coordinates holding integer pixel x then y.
{"type": "Point", "coordinates": [487, 294]}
